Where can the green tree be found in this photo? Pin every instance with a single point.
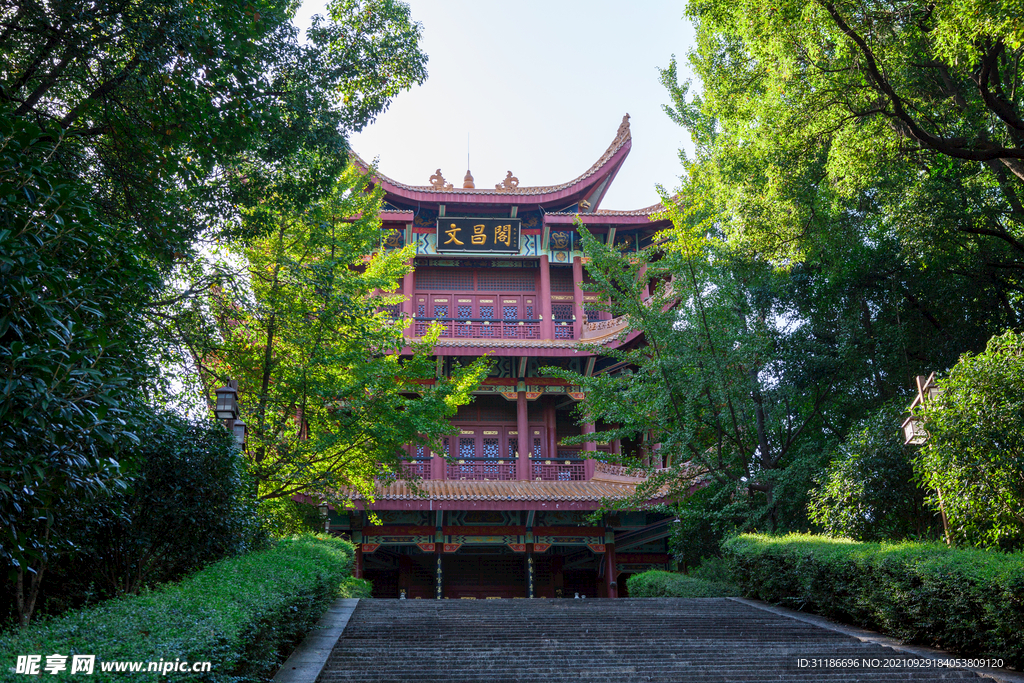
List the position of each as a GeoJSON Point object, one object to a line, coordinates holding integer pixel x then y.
{"type": "Point", "coordinates": [869, 491]}
{"type": "Point", "coordinates": [328, 399]}
{"type": "Point", "coordinates": [70, 351]}
{"type": "Point", "coordinates": [175, 111]}
{"type": "Point", "coordinates": [128, 130]}
{"type": "Point", "coordinates": [726, 380]}
{"type": "Point", "coordinates": [973, 462]}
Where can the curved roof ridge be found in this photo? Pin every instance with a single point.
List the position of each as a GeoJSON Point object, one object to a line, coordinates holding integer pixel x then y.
{"type": "Point", "coordinates": [622, 138]}
{"type": "Point", "coordinates": [646, 211]}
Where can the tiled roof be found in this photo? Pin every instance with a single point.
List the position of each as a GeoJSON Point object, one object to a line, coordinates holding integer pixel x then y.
{"type": "Point", "coordinates": [507, 490]}
{"type": "Point", "coordinates": [647, 211]}
{"type": "Point", "coordinates": [622, 138]}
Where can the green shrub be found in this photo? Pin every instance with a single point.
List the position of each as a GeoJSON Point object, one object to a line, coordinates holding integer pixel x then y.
{"type": "Point", "coordinates": [965, 600]}
{"type": "Point", "coordinates": [242, 614]}
{"type": "Point", "coordinates": [975, 454]}
{"type": "Point", "coordinates": [659, 584]}
{"type": "Point", "coordinates": [355, 588]}
{"type": "Point", "coordinates": [868, 491]}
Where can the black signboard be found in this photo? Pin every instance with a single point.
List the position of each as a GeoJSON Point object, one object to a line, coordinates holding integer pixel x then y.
{"type": "Point", "coordinates": [478, 235]}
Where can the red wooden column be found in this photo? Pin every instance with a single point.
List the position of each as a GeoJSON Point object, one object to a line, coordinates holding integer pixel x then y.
{"type": "Point", "coordinates": [408, 287]}
{"type": "Point", "coordinates": [437, 466]}
{"type": "Point", "coordinates": [577, 295]}
{"type": "Point", "coordinates": [640, 275]}
{"type": "Point", "coordinates": [547, 323]}
{"type": "Point", "coordinates": [588, 464]}
{"type": "Point", "coordinates": [550, 420]}
{"type": "Point", "coordinates": [523, 438]}
{"type": "Point", "coordinates": [609, 571]}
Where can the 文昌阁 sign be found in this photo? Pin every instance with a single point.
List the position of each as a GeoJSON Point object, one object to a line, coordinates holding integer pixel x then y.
{"type": "Point", "coordinates": [491, 235]}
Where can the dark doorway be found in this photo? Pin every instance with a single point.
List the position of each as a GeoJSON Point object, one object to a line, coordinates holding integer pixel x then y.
{"type": "Point", "coordinates": [484, 576]}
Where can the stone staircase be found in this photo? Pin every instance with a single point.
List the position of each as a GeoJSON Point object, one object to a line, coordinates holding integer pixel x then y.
{"type": "Point", "coordinates": [670, 640]}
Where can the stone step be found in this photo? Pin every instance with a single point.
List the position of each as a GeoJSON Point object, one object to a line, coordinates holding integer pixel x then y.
{"type": "Point", "coordinates": [627, 640]}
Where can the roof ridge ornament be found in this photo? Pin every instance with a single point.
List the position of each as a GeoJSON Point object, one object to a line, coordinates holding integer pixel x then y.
{"type": "Point", "coordinates": [437, 181]}
{"type": "Point", "coordinates": [623, 131]}
{"type": "Point", "coordinates": [509, 183]}
{"type": "Point", "coordinates": [467, 182]}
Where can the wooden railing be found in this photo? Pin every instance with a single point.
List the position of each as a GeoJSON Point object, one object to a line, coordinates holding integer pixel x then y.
{"type": "Point", "coordinates": [481, 469]}
{"type": "Point", "coordinates": [479, 328]}
{"type": "Point", "coordinates": [568, 467]}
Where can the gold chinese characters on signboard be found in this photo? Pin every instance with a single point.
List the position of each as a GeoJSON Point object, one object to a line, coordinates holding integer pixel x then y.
{"type": "Point", "coordinates": [487, 235]}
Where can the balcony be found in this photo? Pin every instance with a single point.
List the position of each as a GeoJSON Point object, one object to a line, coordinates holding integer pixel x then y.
{"type": "Point", "coordinates": [481, 469]}
{"type": "Point", "coordinates": [568, 467]}
{"type": "Point", "coordinates": [479, 328]}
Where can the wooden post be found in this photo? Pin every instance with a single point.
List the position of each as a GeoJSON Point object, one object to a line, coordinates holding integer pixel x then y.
{"type": "Point", "coordinates": [550, 421]}
{"type": "Point", "coordinates": [588, 468]}
{"type": "Point", "coordinates": [438, 465]}
{"type": "Point", "coordinates": [408, 286]}
{"type": "Point", "coordinates": [529, 571]}
{"type": "Point", "coordinates": [577, 295]}
{"type": "Point", "coordinates": [522, 438]}
{"type": "Point", "coordinates": [547, 324]}
{"type": "Point", "coordinates": [357, 562]}
{"type": "Point", "coordinates": [609, 571]}
{"type": "Point", "coordinates": [438, 574]}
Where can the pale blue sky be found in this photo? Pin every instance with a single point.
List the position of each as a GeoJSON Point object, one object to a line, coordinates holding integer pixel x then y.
{"type": "Point", "coordinates": [540, 87]}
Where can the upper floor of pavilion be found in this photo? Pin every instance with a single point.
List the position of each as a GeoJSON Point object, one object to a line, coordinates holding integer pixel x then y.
{"type": "Point", "coordinates": [502, 267]}
{"type": "Point", "coordinates": [524, 221]}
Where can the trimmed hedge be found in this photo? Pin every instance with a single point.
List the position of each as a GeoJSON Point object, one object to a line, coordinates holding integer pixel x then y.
{"type": "Point", "coordinates": [964, 600]}
{"type": "Point", "coordinates": [243, 614]}
{"type": "Point", "coordinates": [659, 584]}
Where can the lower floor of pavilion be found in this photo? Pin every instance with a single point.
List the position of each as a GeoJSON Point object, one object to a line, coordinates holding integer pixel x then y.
{"type": "Point", "coordinates": [502, 554]}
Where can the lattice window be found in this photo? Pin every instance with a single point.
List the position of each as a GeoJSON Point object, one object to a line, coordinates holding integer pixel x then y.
{"type": "Point", "coordinates": [510, 312]}
{"type": "Point", "coordinates": [592, 313]}
{"type": "Point", "coordinates": [465, 312]}
{"type": "Point", "coordinates": [421, 451]}
{"type": "Point", "coordinates": [529, 313]}
{"type": "Point", "coordinates": [506, 281]}
{"type": "Point", "coordinates": [513, 445]}
{"type": "Point", "coordinates": [446, 280]}
{"type": "Point", "coordinates": [561, 311]}
{"type": "Point", "coordinates": [467, 448]}
{"type": "Point", "coordinates": [421, 310]}
{"type": "Point", "coordinates": [536, 448]}
{"type": "Point", "coordinates": [491, 448]}
{"type": "Point", "coordinates": [447, 448]}
{"type": "Point", "coordinates": [487, 312]}
{"type": "Point", "coordinates": [561, 281]}
{"type": "Point", "coordinates": [441, 311]}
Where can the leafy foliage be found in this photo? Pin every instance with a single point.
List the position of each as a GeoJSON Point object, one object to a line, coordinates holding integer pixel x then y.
{"type": "Point", "coordinates": [974, 458]}
{"type": "Point", "coordinates": [242, 614]}
{"type": "Point", "coordinates": [128, 132]}
{"type": "Point", "coordinates": [69, 346]}
{"type": "Point", "coordinates": [189, 503]}
{"type": "Point", "coordinates": [727, 379]}
{"type": "Point", "coordinates": [967, 601]}
{"type": "Point", "coordinates": [328, 400]}
{"type": "Point", "coordinates": [164, 103]}
{"type": "Point", "coordinates": [659, 584]}
{"type": "Point", "coordinates": [869, 492]}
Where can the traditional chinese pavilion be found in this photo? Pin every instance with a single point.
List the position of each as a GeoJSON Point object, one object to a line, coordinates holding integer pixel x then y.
{"type": "Point", "coordinates": [505, 515]}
